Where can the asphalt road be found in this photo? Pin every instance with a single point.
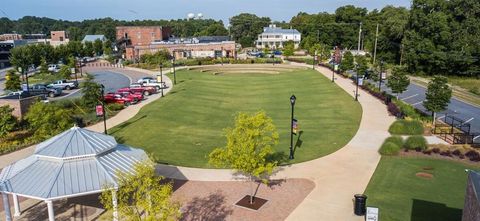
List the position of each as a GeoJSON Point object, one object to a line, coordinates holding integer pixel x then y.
{"type": "Point", "coordinates": [111, 80]}
{"type": "Point", "coordinates": [415, 95]}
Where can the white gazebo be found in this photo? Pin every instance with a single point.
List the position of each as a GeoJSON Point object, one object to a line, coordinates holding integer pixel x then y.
{"type": "Point", "coordinates": [74, 163]}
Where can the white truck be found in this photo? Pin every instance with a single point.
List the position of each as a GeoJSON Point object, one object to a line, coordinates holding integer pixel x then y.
{"type": "Point", "coordinates": [148, 81]}
{"type": "Point", "coordinates": [64, 84]}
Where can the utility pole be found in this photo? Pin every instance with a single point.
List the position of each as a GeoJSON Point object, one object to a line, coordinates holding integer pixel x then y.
{"type": "Point", "coordinates": [375, 50]}
{"type": "Point", "coordinates": [359, 37]}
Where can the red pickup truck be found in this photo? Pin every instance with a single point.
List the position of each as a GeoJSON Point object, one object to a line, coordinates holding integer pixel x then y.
{"type": "Point", "coordinates": [120, 99]}
{"type": "Point", "coordinates": [146, 90]}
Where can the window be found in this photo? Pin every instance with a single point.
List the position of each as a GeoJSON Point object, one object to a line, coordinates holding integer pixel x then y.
{"type": "Point", "coordinates": [153, 34]}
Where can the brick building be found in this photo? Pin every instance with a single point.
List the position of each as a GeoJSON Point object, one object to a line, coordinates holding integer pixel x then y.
{"type": "Point", "coordinates": [14, 36]}
{"type": "Point", "coordinates": [58, 38]}
{"type": "Point", "coordinates": [471, 209]}
{"type": "Point", "coordinates": [142, 35]}
{"type": "Point", "coordinates": [186, 50]}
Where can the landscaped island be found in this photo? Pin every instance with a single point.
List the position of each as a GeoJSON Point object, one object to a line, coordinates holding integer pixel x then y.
{"type": "Point", "coordinates": [185, 126]}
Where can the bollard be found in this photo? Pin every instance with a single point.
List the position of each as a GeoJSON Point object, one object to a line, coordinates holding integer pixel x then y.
{"type": "Point", "coordinates": [360, 204]}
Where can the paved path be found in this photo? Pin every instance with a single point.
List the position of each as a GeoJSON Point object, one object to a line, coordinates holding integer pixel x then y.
{"type": "Point", "coordinates": [121, 117]}
{"type": "Point", "coordinates": [337, 176]}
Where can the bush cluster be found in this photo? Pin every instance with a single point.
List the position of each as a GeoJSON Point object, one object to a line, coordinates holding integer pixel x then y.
{"type": "Point", "coordinates": [406, 127]}
{"type": "Point", "coordinates": [416, 142]}
{"type": "Point", "coordinates": [391, 146]}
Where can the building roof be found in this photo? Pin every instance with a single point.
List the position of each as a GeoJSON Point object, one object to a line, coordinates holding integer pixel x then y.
{"type": "Point", "coordinates": [90, 162]}
{"type": "Point", "coordinates": [92, 38]}
{"type": "Point", "coordinates": [475, 179]}
{"type": "Point", "coordinates": [275, 30]}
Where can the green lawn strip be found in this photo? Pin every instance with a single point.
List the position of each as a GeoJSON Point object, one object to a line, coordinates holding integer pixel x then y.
{"type": "Point", "coordinates": [183, 127]}
{"type": "Point", "coordinates": [403, 196]}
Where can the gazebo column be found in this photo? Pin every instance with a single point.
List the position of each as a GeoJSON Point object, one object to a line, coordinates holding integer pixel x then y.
{"type": "Point", "coordinates": [16, 205]}
{"type": "Point", "coordinates": [114, 203]}
{"type": "Point", "coordinates": [51, 214]}
{"type": "Point", "coordinates": [6, 206]}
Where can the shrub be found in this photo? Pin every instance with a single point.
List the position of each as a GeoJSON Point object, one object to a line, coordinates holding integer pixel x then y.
{"type": "Point", "coordinates": [393, 110]}
{"type": "Point", "coordinates": [406, 127]}
{"type": "Point", "coordinates": [114, 107]}
{"type": "Point", "coordinates": [473, 155]}
{"type": "Point", "coordinates": [389, 148]}
{"type": "Point", "coordinates": [397, 140]}
{"type": "Point", "coordinates": [456, 152]}
{"type": "Point", "coordinates": [414, 142]}
{"type": "Point", "coordinates": [428, 152]}
{"type": "Point", "coordinates": [436, 150]}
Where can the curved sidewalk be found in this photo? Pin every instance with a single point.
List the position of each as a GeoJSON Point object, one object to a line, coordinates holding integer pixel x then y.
{"type": "Point", "coordinates": [337, 176]}
{"type": "Point", "coordinates": [121, 117]}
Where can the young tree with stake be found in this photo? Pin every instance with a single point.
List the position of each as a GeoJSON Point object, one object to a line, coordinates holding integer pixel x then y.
{"type": "Point", "coordinates": [398, 81]}
{"type": "Point", "coordinates": [249, 145]}
{"type": "Point", "coordinates": [438, 95]}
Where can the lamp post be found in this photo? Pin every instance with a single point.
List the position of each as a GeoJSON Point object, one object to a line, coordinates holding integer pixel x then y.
{"type": "Point", "coordinates": [161, 78]}
{"type": "Point", "coordinates": [314, 59]}
{"type": "Point", "coordinates": [174, 74]}
{"type": "Point", "coordinates": [333, 72]}
{"type": "Point", "coordinates": [380, 76]}
{"type": "Point", "coordinates": [292, 103]}
{"type": "Point", "coordinates": [356, 89]}
{"type": "Point", "coordinates": [103, 108]}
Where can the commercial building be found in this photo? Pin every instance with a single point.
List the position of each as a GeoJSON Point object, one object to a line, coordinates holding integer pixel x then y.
{"type": "Point", "coordinates": [198, 47]}
{"type": "Point", "coordinates": [274, 38]}
{"type": "Point", "coordinates": [142, 35]}
{"type": "Point", "coordinates": [58, 38]}
{"type": "Point", "coordinates": [92, 38]}
{"type": "Point", "coordinates": [5, 47]}
{"type": "Point", "coordinates": [13, 36]}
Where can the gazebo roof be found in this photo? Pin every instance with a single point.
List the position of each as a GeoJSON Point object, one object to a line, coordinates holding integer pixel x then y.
{"type": "Point", "coordinates": [74, 143]}
{"type": "Point", "coordinates": [73, 163]}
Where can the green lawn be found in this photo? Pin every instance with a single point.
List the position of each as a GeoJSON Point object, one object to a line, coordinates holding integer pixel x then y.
{"type": "Point", "coordinates": [403, 196]}
{"type": "Point", "coordinates": [184, 127]}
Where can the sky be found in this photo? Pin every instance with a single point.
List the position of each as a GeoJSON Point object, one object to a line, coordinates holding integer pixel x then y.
{"type": "Point", "coordinates": [278, 10]}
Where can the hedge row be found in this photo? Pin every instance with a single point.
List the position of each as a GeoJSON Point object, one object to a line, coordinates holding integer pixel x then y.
{"type": "Point", "coordinates": [406, 127]}
{"type": "Point", "coordinates": [392, 145]}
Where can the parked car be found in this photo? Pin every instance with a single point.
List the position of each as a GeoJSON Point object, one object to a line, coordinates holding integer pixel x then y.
{"type": "Point", "coordinates": [43, 89]}
{"type": "Point", "coordinates": [147, 89]}
{"type": "Point", "coordinates": [151, 82]}
{"type": "Point", "coordinates": [128, 92]}
{"type": "Point", "coordinates": [64, 84]}
{"type": "Point", "coordinates": [54, 68]}
{"type": "Point", "coordinates": [119, 99]}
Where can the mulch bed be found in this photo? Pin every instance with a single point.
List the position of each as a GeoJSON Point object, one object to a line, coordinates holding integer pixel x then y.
{"type": "Point", "coordinates": [216, 200]}
{"type": "Point", "coordinates": [256, 204]}
{"type": "Point", "coordinates": [413, 153]}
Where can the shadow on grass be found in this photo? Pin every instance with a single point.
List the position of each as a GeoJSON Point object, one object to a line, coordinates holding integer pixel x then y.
{"type": "Point", "coordinates": [427, 211]}
{"type": "Point", "coordinates": [211, 207]}
{"type": "Point", "coordinates": [125, 124]}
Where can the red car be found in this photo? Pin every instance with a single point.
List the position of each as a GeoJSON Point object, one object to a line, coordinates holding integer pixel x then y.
{"type": "Point", "coordinates": [138, 92]}
{"type": "Point", "coordinates": [125, 93]}
{"type": "Point", "coordinates": [120, 99]}
{"type": "Point", "coordinates": [146, 90]}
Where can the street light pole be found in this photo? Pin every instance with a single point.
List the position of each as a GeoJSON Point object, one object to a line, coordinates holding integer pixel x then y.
{"type": "Point", "coordinates": [292, 103]}
{"type": "Point", "coordinates": [174, 74]}
{"type": "Point", "coordinates": [333, 72]}
{"type": "Point", "coordinates": [103, 108]}
{"type": "Point", "coordinates": [356, 90]}
{"type": "Point", "coordinates": [161, 78]}
{"type": "Point", "coordinates": [380, 77]}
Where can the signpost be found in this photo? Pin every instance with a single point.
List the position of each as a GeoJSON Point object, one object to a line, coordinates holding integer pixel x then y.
{"type": "Point", "coordinates": [295, 126]}
{"type": "Point", "coordinates": [372, 214]}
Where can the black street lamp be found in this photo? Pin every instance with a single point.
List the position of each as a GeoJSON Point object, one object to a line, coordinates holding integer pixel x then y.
{"type": "Point", "coordinates": [174, 74]}
{"type": "Point", "coordinates": [333, 72]}
{"type": "Point", "coordinates": [103, 109]}
{"type": "Point", "coordinates": [292, 102]}
{"type": "Point", "coordinates": [380, 76]}
{"type": "Point", "coordinates": [356, 90]}
{"type": "Point", "coordinates": [161, 78]}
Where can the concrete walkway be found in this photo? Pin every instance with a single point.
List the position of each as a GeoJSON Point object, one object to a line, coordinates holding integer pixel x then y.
{"type": "Point", "coordinates": [121, 117]}
{"type": "Point", "coordinates": [337, 176]}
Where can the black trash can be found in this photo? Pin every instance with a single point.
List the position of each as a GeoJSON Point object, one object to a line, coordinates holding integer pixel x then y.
{"type": "Point", "coordinates": [360, 204]}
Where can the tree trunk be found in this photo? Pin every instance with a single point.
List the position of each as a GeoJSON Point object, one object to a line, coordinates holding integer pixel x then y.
{"type": "Point", "coordinates": [433, 115]}
{"type": "Point", "coordinates": [253, 191]}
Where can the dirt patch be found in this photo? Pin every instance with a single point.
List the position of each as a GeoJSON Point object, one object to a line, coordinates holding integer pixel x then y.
{"type": "Point", "coordinates": [424, 175]}
{"type": "Point", "coordinates": [216, 200]}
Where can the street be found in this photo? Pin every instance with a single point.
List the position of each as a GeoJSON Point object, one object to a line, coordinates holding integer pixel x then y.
{"type": "Point", "coordinates": [415, 95]}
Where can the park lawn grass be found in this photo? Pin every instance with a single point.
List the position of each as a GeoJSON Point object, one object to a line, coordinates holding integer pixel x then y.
{"type": "Point", "coordinates": [401, 195]}
{"type": "Point", "coordinates": [187, 124]}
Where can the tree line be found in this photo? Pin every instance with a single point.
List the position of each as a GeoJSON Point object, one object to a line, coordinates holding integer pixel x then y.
{"type": "Point", "coordinates": [106, 26]}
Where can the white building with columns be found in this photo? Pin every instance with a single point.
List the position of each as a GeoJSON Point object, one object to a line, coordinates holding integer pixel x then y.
{"type": "Point", "coordinates": [274, 38]}
{"type": "Point", "coordinates": [74, 163]}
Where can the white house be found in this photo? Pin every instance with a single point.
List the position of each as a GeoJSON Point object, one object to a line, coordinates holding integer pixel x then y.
{"type": "Point", "coordinates": [273, 37]}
